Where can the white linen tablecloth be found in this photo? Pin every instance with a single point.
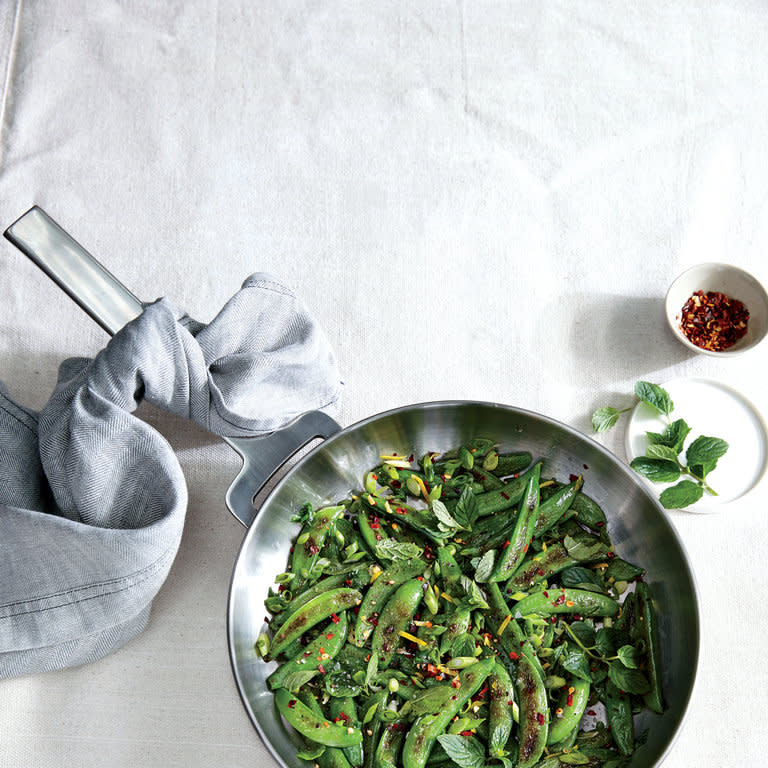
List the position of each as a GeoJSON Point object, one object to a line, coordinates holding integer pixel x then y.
{"type": "Point", "coordinates": [480, 200]}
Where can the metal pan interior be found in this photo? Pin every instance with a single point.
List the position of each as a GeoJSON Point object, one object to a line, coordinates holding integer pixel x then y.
{"type": "Point", "coordinates": [638, 526]}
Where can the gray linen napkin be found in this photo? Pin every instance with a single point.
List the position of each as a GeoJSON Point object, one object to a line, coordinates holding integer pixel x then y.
{"type": "Point", "coordinates": [92, 499]}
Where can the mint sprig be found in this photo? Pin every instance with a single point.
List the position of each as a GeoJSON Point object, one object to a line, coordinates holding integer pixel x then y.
{"type": "Point", "coordinates": [662, 461]}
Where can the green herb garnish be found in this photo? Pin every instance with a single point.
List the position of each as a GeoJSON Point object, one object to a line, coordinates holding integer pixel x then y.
{"type": "Point", "coordinates": [662, 461]}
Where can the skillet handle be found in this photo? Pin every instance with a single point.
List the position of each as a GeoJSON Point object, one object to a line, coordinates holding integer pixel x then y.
{"type": "Point", "coordinates": [74, 270]}
{"type": "Point", "coordinates": [273, 451]}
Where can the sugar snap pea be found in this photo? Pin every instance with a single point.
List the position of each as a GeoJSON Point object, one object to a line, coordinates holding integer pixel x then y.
{"type": "Point", "coordinates": [424, 732]}
{"type": "Point", "coordinates": [314, 726]}
{"type": "Point", "coordinates": [395, 618]}
{"type": "Point", "coordinates": [499, 709]}
{"type": "Point", "coordinates": [513, 553]}
{"type": "Point", "coordinates": [388, 751]}
{"type": "Point", "coordinates": [564, 600]}
{"type": "Point", "coordinates": [317, 653]}
{"type": "Point", "coordinates": [316, 610]}
{"type": "Point", "coordinates": [344, 712]}
{"type": "Point", "coordinates": [534, 714]}
{"type": "Point", "coordinates": [379, 592]}
{"type": "Point", "coordinates": [648, 632]}
{"type": "Point", "coordinates": [310, 541]}
{"type": "Point", "coordinates": [573, 702]}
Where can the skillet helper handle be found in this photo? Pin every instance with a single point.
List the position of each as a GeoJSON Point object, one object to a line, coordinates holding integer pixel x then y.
{"type": "Point", "coordinates": [74, 270]}
{"type": "Point", "coordinates": [273, 451]}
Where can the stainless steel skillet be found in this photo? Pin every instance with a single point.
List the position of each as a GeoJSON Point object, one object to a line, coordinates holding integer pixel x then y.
{"type": "Point", "coordinates": [638, 525]}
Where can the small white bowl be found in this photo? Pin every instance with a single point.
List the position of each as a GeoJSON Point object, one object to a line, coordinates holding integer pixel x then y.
{"type": "Point", "coordinates": [733, 282]}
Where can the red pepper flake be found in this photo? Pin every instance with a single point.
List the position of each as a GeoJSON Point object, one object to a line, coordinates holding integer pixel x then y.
{"type": "Point", "coordinates": [347, 582]}
{"type": "Point", "coordinates": [510, 703]}
{"type": "Point", "coordinates": [400, 511]}
{"type": "Point", "coordinates": [466, 734]}
{"type": "Point", "coordinates": [559, 600]}
{"type": "Point", "coordinates": [569, 700]}
{"type": "Point", "coordinates": [539, 571]}
{"type": "Point", "coordinates": [334, 618]}
{"type": "Point", "coordinates": [419, 578]}
{"type": "Point", "coordinates": [410, 458]}
{"type": "Point", "coordinates": [375, 523]}
{"type": "Point", "coordinates": [455, 682]}
{"type": "Point", "coordinates": [713, 320]}
{"type": "Point", "coordinates": [545, 593]}
{"type": "Point", "coordinates": [356, 610]}
{"type": "Point", "coordinates": [599, 524]}
{"type": "Point", "coordinates": [292, 703]}
{"type": "Point", "coordinates": [397, 484]}
{"type": "Point", "coordinates": [573, 478]}
{"type": "Point", "coordinates": [479, 695]}
{"type": "Point", "coordinates": [541, 719]}
{"type": "Point", "coordinates": [591, 712]}
{"type": "Point", "coordinates": [329, 636]}
{"type": "Point", "coordinates": [514, 656]}
{"type": "Point", "coordinates": [611, 555]}
{"type": "Point", "coordinates": [585, 466]}
{"type": "Point", "coordinates": [504, 495]}
{"type": "Point", "coordinates": [506, 544]}
{"type": "Point", "coordinates": [321, 669]}
{"type": "Point", "coordinates": [342, 716]}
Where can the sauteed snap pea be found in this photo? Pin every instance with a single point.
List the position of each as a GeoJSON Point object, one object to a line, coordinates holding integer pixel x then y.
{"type": "Point", "coordinates": [462, 608]}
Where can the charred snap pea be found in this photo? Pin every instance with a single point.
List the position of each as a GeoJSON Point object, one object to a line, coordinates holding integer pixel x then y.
{"type": "Point", "coordinates": [315, 655]}
{"type": "Point", "coordinates": [512, 554]}
{"type": "Point", "coordinates": [648, 633]}
{"type": "Point", "coordinates": [382, 587]}
{"type": "Point", "coordinates": [310, 541]}
{"type": "Point", "coordinates": [395, 618]}
{"type": "Point", "coordinates": [551, 510]}
{"type": "Point", "coordinates": [344, 712]}
{"type": "Point", "coordinates": [315, 611]}
{"type": "Point", "coordinates": [534, 714]}
{"type": "Point", "coordinates": [388, 751]}
{"type": "Point", "coordinates": [581, 601]}
{"type": "Point", "coordinates": [499, 709]}
{"type": "Point", "coordinates": [314, 726]}
{"type": "Point", "coordinates": [421, 632]}
{"type": "Point", "coordinates": [541, 566]}
{"type": "Point", "coordinates": [568, 714]}
{"type": "Point", "coordinates": [424, 732]}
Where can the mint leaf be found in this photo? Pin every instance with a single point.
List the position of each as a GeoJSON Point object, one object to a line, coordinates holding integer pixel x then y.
{"type": "Point", "coordinates": [577, 663]}
{"type": "Point", "coordinates": [391, 549]}
{"type": "Point", "coordinates": [466, 508]}
{"type": "Point", "coordinates": [683, 494]}
{"type": "Point", "coordinates": [629, 656]}
{"type": "Point", "coordinates": [621, 570]}
{"type": "Point", "coordinates": [295, 680]}
{"type": "Point", "coordinates": [430, 700]}
{"type": "Point", "coordinates": [446, 523]}
{"type": "Point", "coordinates": [584, 548]}
{"type": "Point", "coordinates": [658, 451]}
{"type": "Point", "coordinates": [628, 680]}
{"type": "Point", "coordinates": [673, 436]}
{"type": "Point", "coordinates": [574, 758]}
{"type": "Point", "coordinates": [605, 418]}
{"type": "Point", "coordinates": [657, 470]}
{"type": "Point", "coordinates": [655, 396]}
{"type": "Point", "coordinates": [464, 752]}
{"type": "Point", "coordinates": [705, 450]}
{"type": "Point", "coordinates": [485, 566]}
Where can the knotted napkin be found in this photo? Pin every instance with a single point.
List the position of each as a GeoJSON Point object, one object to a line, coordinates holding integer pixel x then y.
{"type": "Point", "coordinates": [92, 499]}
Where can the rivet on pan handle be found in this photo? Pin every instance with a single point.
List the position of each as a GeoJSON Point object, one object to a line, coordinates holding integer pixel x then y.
{"type": "Point", "coordinates": [112, 306]}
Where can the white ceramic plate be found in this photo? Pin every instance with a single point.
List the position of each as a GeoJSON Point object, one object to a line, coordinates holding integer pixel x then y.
{"type": "Point", "coordinates": [714, 409]}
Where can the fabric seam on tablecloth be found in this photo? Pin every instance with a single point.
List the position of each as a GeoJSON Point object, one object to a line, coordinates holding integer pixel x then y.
{"type": "Point", "coordinates": [9, 51]}
{"type": "Point", "coordinates": [127, 581]}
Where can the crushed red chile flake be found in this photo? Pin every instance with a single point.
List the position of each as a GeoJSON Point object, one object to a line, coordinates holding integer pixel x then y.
{"type": "Point", "coordinates": [713, 321]}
